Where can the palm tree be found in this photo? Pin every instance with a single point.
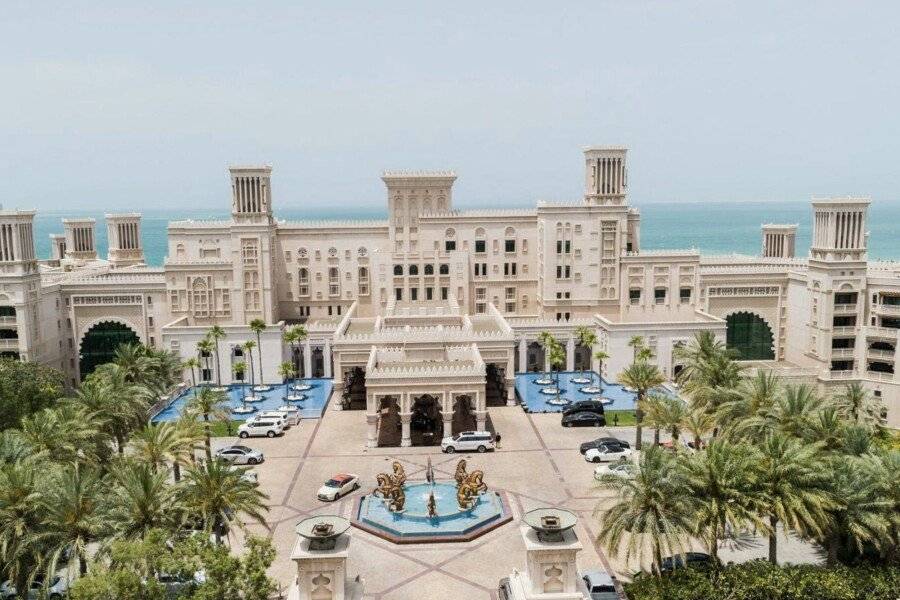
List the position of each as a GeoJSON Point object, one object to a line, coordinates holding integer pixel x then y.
{"type": "Point", "coordinates": [209, 404]}
{"type": "Point", "coordinates": [557, 360]}
{"type": "Point", "coordinates": [121, 408]}
{"type": "Point", "coordinates": [286, 370]}
{"type": "Point", "coordinates": [192, 363]}
{"type": "Point", "coordinates": [239, 368]}
{"type": "Point", "coordinates": [20, 519]}
{"type": "Point", "coordinates": [641, 376]}
{"type": "Point", "coordinates": [754, 395]}
{"type": "Point", "coordinates": [701, 349]}
{"type": "Point", "coordinates": [665, 412]}
{"type": "Point", "coordinates": [134, 361]}
{"type": "Point", "coordinates": [791, 487]}
{"type": "Point", "coordinates": [857, 405]}
{"type": "Point", "coordinates": [216, 493]}
{"type": "Point", "coordinates": [796, 409]}
{"type": "Point", "coordinates": [587, 338]}
{"type": "Point", "coordinates": [141, 500]}
{"type": "Point", "coordinates": [547, 342]}
{"type": "Point", "coordinates": [636, 343]}
{"type": "Point", "coordinates": [293, 337]}
{"type": "Point", "coordinates": [600, 355]}
{"type": "Point", "coordinates": [723, 482]}
{"type": "Point", "coordinates": [205, 348]}
{"type": "Point", "coordinates": [248, 350]}
{"type": "Point", "coordinates": [73, 514]}
{"type": "Point", "coordinates": [64, 433]}
{"type": "Point", "coordinates": [699, 423]}
{"type": "Point", "coordinates": [158, 444]}
{"type": "Point", "coordinates": [215, 334]}
{"type": "Point", "coordinates": [654, 506]}
{"type": "Point", "coordinates": [258, 326]}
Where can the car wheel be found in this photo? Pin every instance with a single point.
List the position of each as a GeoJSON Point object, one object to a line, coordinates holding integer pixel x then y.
{"type": "Point", "coordinates": [596, 459]}
{"type": "Point", "coordinates": [251, 461]}
{"type": "Point", "coordinates": [356, 486]}
{"type": "Point", "coordinates": [243, 435]}
{"type": "Point", "coordinates": [450, 450]}
{"type": "Point", "coordinates": [567, 424]}
{"type": "Point", "coordinates": [482, 449]}
{"type": "Point", "coordinates": [599, 424]}
{"type": "Point", "coordinates": [270, 434]}
{"type": "Point", "coordinates": [55, 597]}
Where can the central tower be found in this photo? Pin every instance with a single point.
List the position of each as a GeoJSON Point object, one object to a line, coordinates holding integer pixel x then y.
{"type": "Point", "coordinates": [605, 175]}
{"type": "Point", "coordinates": [411, 193]}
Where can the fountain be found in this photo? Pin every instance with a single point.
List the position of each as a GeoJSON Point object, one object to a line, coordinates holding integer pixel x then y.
{"type": "Point", "coordinates": [321, 554]}
{"type": "Point", "coordinates": [550, 391]}
{"type": "Point", "coordinates": [591, 389]}
{"type": "Point", "coordinates": [429, 511]}
{"type": "Point", "coordinates": [300, 387]}
{"type": "Point", "coordinates": [295, 397]}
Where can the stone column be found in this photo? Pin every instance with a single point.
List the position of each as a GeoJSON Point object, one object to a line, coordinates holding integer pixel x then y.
{"type": "Point", "coordinates": [570, 354]}
{"type": "Point", "coordinates": [307, 359]}
{"type": "Point", "coordinates": [510, 381]}
{"type": "Point", "coordinates": [523, 355]}
{"type": "Point", "coordinates": [405, 438]}
{"type": "Point", "coordinates": [326, 357]}
{"type": "Point", "coordinates": [322, 574]}
{"type": "Point", "coordinates": [447, 417]}
{"type": "Point", "coordinates": [546, 360]}
{"type": "Point", "coordinates": [551, 571]}
{"type": "Point", "coordinates": [372, 433]}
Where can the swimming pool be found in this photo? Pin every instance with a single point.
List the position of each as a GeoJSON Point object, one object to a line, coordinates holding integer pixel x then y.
{"type": "Point", "coordinates": [534, 401]}
{"type": "Point", "coordinates": [311, 408]}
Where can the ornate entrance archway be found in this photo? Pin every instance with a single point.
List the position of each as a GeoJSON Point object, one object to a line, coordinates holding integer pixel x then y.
{"type": "Point", "coordinates": [749, 336]}
{"type": "Point", "coordinates": [389, 421]}
{"type": "Point", "coordinates": [99, 343]}
{"type": "Point", "coordinates": [425, 422]}
{"type": "Point", "coordinates": [535, 357]}
{"type": "Point", "coordinates": [463, 414]}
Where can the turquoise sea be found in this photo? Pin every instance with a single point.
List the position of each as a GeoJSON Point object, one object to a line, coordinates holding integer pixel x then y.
{"type": "Point", "coordinates": [713, 228]}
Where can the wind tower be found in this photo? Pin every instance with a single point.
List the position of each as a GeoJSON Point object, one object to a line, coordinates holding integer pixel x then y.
{"type": "Point", "coordinates": [411, 193]}
{"type": "Point", "coordinates": [606, 175]}
{"type": "Point", "coordinates": [124, 234]}
{"type": "Point", "coordinates": [19, 285]}
{"type": "Point", "coordinates": [80, 239]}
{"type": "Point", "coordinates": [779, 241]}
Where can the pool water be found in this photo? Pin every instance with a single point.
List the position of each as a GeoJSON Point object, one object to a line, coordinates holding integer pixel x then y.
{"type": "Point", "coordinates": [310, 408]}
{"type": "Point", "coordinates": [534, 401]}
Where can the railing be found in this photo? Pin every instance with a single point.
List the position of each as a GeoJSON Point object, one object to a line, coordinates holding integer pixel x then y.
{"type": "Point", "coordinates": [842, 352]}
{"type": "Point", "coordinates": [886, 332]}
{"type": "Point", "coordinates": [844, 308]}
{"type": "Point", "coordinates": [889, 354]}
{"type": "Point", "coordinates": [879, 375]}
{"type": "Point", "coordinates": [6, 344]}
{"type": "Point", "coordinates": [887, 309]}
{"type": "Point", "coordinates": [843, 331]}
{"type": "Point", "coordinates": [7, 320]}
{"type": "Point", "coordinates": [842, 374]}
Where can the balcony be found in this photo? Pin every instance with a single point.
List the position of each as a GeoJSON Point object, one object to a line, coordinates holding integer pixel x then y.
{"type": "Point", "coordinates": [842, 374]}
{"type": "Point", "coordinates": [882, 332]}
{"type": "Point", "coordinates": [837, 353]}
{"type": "Point", "coordinates": [844, 309]}
{"type": "Point", "coordinates": [887, 309]}
{"type": "Point", "coordinates": [881, 354]}
{"type": "Point", "coordinates": [8, 321]}
{"type": "Point", "coordinates": [879, 375]}
{"type": "Point", "coordinates": [843, 331]}
{"type": "Point", "coordinates": [9, 344]}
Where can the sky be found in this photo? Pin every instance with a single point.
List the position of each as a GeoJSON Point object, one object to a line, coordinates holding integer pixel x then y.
{"type": "Point", "coordinates": [134, 106]}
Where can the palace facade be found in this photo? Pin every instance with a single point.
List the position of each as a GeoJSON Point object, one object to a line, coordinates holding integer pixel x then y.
{"type": "Point", "coordinates": [447, 304]}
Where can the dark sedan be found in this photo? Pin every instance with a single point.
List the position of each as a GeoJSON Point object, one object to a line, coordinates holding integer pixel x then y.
{"type": "Point", "coordinates": [584, 406]}
{"type": "Point", "coordinates": [693, 559]}
{"type": "Point", "coordinates": [583, 419]}
{"type": "Point", "coordinates": [603, 441]}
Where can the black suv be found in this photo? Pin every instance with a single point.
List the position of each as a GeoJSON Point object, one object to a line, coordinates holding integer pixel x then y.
{"type": "Point", "coordinates": [604, 441]}
{"type": "Point", "coordinates": [594, 406]}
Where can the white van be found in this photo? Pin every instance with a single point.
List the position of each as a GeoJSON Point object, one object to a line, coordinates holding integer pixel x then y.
{"type": "Point", "coordinates": [259, 427]}
{"type": "Point", "coordinates": [481, 441]}
{"type": "Point", "coordinates": [287, 419]}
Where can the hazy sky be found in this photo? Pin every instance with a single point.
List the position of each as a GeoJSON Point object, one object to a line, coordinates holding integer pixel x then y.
{"type": "Point", "coordinates": [124, 105]}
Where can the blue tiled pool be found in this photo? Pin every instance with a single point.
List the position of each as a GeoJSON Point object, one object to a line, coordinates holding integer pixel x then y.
{"type": "Point", "coordinates": [310, 408]}
{"type": "Point", "coordinates": [534, 401]}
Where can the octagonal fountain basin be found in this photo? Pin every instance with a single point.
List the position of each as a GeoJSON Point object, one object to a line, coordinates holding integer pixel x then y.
{"type": "Point", "coordinates": [414, 526]}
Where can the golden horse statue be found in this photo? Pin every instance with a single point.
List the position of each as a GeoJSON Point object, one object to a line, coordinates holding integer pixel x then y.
{"type": "Point", "coordinates": [392, 493]}
{"type": "Point", "coordinates": [399, 473]}
{"type": "Point", "coordinates": [461, 474]}
{"type": "Point", "coordinates": [469, 486]}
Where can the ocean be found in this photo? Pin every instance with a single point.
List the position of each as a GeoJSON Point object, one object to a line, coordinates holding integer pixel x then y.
{"type": "Point", "coordinates": [713, 228]}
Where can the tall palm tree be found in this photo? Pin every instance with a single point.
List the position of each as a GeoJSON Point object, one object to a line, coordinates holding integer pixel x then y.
{"type": "Point", "coordinates": [636, 343]}
{"type": "Point", "coordinates": [665, 412]}
{"type": "Point", "coordinates": [157, 445]}
{"type": "Point", "coordinates": [286, 370]}
{"type": "Point", "coordinates": [587, 338]}
{"type": "Point", "coordinates": [699, 423]}
{"type": "Point", "coordinates": [293, 337]}
{"type": "Point", "coordinates": [557, 360]}
{"type": "Point", "coordinates": [141, 500]}
{"type": "Point", "coordinates": [723, 483]}
{"type": "Point", "coordinates": [248, 347]}
{"type": "Point", "coordinates": [205, 348]}
{"type": "Point", "coordinates": [121, 408]}
{"type": "Point", "coordinates": [791, 487]}
{"type": "Point", "coordinates": [192, 363]}
{"type": "Point", "coordinates": [215, 334]}
{"type": "Point", "coordinates": [796, 409]}
{"type": "Point", "coordinates": [641, 376]}
{"type": "Point", "coordinates": [857, 405]}
{"type": "Point", "coordinates": [239, 368]}
{"type": "Point", "coordinates": [21, 490]}
{"type": "Point", "coordinates": [215, 493]}
{"type": "Point", "coordinates": [754, 395]}
{"type": "Point", "coordinates": [600, 355]}
{"type": "Point", "coordinates": [701, 349]}
{"type": "Point", "coordinates": [134, 361]}
{"type": "Point", "coordinates": [73, 514]}
{"type": "Point", "coordinates": [258, 326]}
{"type": "Point", "coordinates": [209, 404]}
{"type": "Point", "coordinates": [63, 433]}
{"type": "Point", "coordinates": [653, 509]}
{"type": "Point", "coordinates": [547, 342]}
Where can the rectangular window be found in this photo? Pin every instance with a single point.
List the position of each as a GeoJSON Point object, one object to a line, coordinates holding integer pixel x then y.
{"type": "Point", "coordinates": [634, 296]}
{"type": "Point", "coordinates": [510, 293]}
{"type": "Point", "coordinates": [450, 245]}
{"type": "Point", "coordinates": [559, 246]}
{"type": "Point", "coordinates": [568, 246]}
{"type": "Point", "coordinates": [685, 295]}
{"type": "Point", "coordinates": [429, 293]}
{"type": "Point", "coordinates": [398, 294]}
{"type": "Point", "coordinates": [510, 246]}
{"type": "Point", "coordinates": [480, 246]}
{"type": "Point", "coordinates": [559, 271]}
{"type": "Point", "coordinates": [845, 298]}
{"type": "Point", "coordinates": [414, 294]}
{"type": "Point", "coordinates": [659, 294]}
{"type": "Point", "coordinates": [510, 307]}
{"type": "Point", "coordinates": [444, 293]}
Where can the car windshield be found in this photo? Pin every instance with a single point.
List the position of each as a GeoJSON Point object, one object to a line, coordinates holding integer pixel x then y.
{"type": "Point", "coordinates": [241, 448]}
{"type": "Point", "coordinates": [333, 483]}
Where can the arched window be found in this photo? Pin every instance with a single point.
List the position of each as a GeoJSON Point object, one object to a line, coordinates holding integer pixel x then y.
{"type": "Point", "coordinates": [429, 269]}
{"type": "Point", "coordinates": [398, 269]}
{"type": "Point", "coordinates": [749, 336]}
{"type": "Point", "coordinates": [304, 276]}
{"type": "Point", "coordinates": [444, 269]}
{"type": "Point", "coordinates": [413, 269]}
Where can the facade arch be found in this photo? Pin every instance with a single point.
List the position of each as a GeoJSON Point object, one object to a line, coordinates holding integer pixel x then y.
{"type": "Point", "coordinates": [750, 336]}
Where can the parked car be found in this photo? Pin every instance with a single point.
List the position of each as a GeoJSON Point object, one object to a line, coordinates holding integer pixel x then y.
{"type": "Point", "coordinates": [607, 454]}
{"type": "Point", "coordinates": [600, 585]}
{"type": "Point", "coordinates": [293, 413]}
{"type": "Point", "coordinates": [263, 427]}
{"type": "Point", "coordinates": [339, 485]}
{"type": "Point", "coordinates": [621, 468]}
{"type": "Point", "coordinates": [276, 415]}
{"type": "Point", "coordinates": [468, 440]}
{"type": "Point", "coordinates": [584, 406]}
{"type": "Point", "coordinates": [177, 585]}
{"type": "Point", "coordinates": [691, 559]}
{"type": "Point", "coordinates": [583, 419]}
{"type": "Point", "coordinates": [503, 591]}
{"type": "Point", "coordinates": [240, 455]}
{"type": "Point", "coordinates": [603, 441]}
{"type": "Point", "coordinates": [57, 589]}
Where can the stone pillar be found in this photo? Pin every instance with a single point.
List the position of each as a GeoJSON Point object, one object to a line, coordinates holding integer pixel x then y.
{"type": "Point", "coordinates": [322, 574]}
{"type": "Point", "coordinates": [447, 418]}
{"type": "Point", "coordinates": [372, 430]}
{"type": "Point", "coordinates": [551, 571]}
{"type": "Point", "coordinates": [405, 438]}
{"type": "Point", "coordinates": [326, 357]}
{"type": "Point", "coordinates": [307, 359]}
{"type": "Point", "coordinates": [570, 354]}
{"type": "Point", "coordinates": [546, 360]}
{"type": "Point", "coordinates": [510, 381]}
{"type": "Point", "coordinates": [523, 355]}
{"type": "Point", "coordinates": [480, 419]}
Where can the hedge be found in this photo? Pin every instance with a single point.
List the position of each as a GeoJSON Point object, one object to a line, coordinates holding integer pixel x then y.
{"type": "Point", "coordinates": [759, 580]}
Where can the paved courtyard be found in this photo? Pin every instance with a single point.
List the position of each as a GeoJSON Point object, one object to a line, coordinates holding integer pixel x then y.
{"type": "Point", "coordinates": [538, 465]}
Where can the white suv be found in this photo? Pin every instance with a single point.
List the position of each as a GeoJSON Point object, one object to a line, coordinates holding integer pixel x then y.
{"type": "Point", "coordinates": [273, 415]}
{"type": "Point", "coordinates": [468, 440]}
{"type": "Point", "coordinates": [267, 427]}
